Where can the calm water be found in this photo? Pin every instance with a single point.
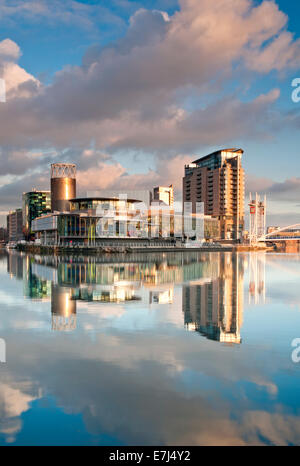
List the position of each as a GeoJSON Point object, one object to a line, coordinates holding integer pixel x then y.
{"type": "Point", "coordinates": [180, 349]}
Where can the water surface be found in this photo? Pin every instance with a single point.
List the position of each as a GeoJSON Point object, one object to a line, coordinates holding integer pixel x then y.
{"type": "Point", "coordinates": [150, 349]}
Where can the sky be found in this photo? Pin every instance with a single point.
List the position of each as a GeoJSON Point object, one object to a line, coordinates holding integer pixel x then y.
{"type": "Point", "coordinates": [132, 90]}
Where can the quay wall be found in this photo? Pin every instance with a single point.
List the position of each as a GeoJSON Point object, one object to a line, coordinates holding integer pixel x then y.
{"type": "Point", "coordinates": [69, 250]}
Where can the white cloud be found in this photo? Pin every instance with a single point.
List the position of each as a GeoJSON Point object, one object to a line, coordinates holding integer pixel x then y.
{"type": "Point", "coordinates": [18, 82]}
{"type": "Point", "coordinates": [9, 50]}
{"type": "Point", "coordinates": [13, 403]}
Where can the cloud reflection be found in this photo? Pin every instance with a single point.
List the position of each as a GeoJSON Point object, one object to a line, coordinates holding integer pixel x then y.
{"type": "Point", "coordinates": [137, 375]}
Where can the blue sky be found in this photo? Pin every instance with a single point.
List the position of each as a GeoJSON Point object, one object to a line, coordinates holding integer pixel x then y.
{"type": "Point", "coordinates": [132, 90]}
{"type": "Point", "coordinates": [48, 46]}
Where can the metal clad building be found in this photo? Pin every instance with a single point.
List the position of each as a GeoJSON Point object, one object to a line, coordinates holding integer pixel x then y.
{"type": "Point", "coordinates": [63, 186]}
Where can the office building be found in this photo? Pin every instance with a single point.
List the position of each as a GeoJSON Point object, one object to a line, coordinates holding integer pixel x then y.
{"type": "Point", "coordinates": [3, 235]}
{"type": "Point", "coordinates": [35, 204]}
{"type": "Point", "coordinates": [15, 225]}
{"type": "Point", "coordinates": [217, 180]}
{"type": "Point", "coordinates": [164, 194]}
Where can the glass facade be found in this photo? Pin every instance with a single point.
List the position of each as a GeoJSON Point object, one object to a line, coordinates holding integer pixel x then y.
{"type": "Point", "coordinates": [76, 226]}
{"type": "Point", "coordinates": [91, 219]}
{"type": "Point", "coordinates": [212, 161]}
{"type": "Point", "coordinates": [105, 204]}
{"type": "Point", "coordinates": [35, 204]}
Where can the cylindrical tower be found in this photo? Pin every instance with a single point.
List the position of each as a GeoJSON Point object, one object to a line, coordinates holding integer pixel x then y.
{"type": "Point", "coordinates": [63, 185]}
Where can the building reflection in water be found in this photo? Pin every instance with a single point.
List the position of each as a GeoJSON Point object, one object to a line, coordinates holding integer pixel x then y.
{"type": "Point", "coordinates": [15, 264]}
{"type": "Point", "coordinates": [36, 281]}
{"type": "Point", "coordinates": [212, 286]}
{"type": "Point", "coordinates": [257, 277]}
{"type": "Point", "coordinates": [214, 306]}
{"type": "Point", "coordinates": [161, 296]}
{"type": "Point", "coordinates": [63, 309]}
{"type": "Point", "coordinates": [40, 284]}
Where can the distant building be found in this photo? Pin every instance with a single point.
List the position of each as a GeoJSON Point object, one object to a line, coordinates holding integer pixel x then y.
{"type": "Point", "coordinates": [162, 221]}
{"type": "Point", "coordinates": [217, 180]}
{"type": "Point", "coordinates": [164, 194]}
{"type": "Point", "coordinates": [3, 235]}
{"type": "Point", "coordinates": [211, 228]}
{"type": "Point", "coordinates": [35, 204]}
{"type": "Point", "coordinates": [15, 225]}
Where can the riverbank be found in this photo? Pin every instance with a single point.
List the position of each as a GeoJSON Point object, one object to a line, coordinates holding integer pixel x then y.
{"type": "Point", "coordinates": [84, 250]}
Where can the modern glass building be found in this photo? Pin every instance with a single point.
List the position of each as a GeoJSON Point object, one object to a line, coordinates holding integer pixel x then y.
{"type": "Point", "coordinates": [102, 204]}
{"type": "Point", "coordinates": [90, 219]}
{"type": "Point", "coordinates": [35, 204]}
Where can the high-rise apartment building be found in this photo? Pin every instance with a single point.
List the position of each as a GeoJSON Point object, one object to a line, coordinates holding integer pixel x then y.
{"type": "Point", "coordinates": [15, 225]}
{"type": "Point", "coordinates": [165, 194]}
{"type": "Point", "coordinates": [35, 204]}
{"type": "Point", "coordinates": [217, 180]}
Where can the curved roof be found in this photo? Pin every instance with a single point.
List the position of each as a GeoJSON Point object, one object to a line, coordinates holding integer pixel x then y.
{"type": "Point", "coordinates": [88, 199]}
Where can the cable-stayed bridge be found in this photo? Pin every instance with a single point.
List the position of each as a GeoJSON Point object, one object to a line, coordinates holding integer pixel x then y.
{"type": "Point", "coordinates": [287, 233]}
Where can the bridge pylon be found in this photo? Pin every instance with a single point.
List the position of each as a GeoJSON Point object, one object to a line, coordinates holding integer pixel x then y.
{"type": "Point", "coordinates": [257, 218]}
